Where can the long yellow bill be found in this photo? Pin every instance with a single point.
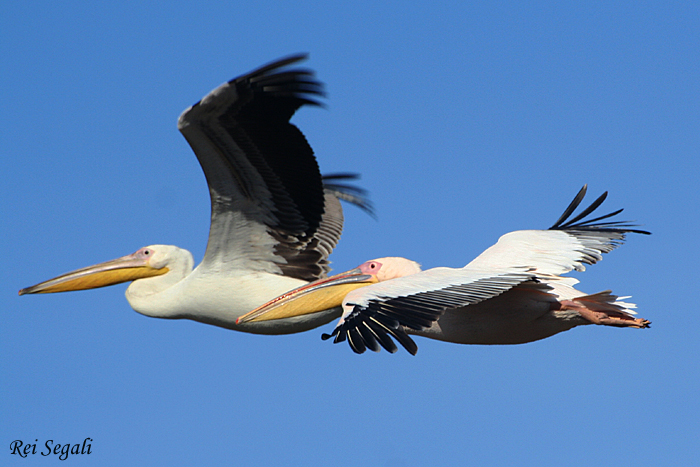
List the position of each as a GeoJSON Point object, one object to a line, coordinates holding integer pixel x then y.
{"type": "Point", "coordinates": [126, 268]}
{"type": "Point", "coordinates": [313, 297]}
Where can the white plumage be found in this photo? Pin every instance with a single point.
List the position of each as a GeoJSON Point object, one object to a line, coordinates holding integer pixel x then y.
{"type": "Point", "coordinates": [512, 293]}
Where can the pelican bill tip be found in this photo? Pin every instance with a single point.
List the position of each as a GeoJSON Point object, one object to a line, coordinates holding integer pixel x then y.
{"type": "Point", "coordinates": [27, 291]}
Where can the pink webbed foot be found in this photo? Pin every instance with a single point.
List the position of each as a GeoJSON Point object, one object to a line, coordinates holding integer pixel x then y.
{"type": "Point", "coordinates": [607, 318]}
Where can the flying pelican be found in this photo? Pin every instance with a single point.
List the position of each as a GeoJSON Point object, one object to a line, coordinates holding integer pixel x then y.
{"type": "Point", "coordinates": [510, 294]}
{"type": "Point", "coordinates": [274, 218]}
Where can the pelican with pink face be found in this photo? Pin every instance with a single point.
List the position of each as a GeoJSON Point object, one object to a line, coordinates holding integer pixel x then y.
{"type": "Point", "coordinates": [512, 293]}
{"type": "Point", "coordinates": [328, 293]}
{"type": "Point", "coordinates": [272, 228]}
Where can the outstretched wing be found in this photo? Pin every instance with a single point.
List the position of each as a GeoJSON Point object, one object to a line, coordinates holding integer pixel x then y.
{"type": "Point", "coordinates": [371, 314]}
{"type": "Point", "coordinates": [565, 246]}
{"type": "Point", "coordinates": [270, 210]}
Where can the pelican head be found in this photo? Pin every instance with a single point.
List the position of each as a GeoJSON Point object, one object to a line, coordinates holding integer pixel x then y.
{"type": "Point", "coordinates": [328, 293]}
{"type": "Point", "coordinates": [148, 262]}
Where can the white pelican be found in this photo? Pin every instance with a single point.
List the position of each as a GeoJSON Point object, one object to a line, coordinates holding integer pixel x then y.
{"type": "Point", "coordinates": [510, 294]}
{"type": "Point", "coordinates": [274, 218]}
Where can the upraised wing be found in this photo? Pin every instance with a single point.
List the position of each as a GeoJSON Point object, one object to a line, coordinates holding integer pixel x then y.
{"type": "Point", "coordinates": [561, 248]}
{"type": "Point", "coordinates": [271, 209]}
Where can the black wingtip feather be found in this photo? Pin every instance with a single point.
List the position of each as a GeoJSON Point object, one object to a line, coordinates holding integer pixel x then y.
{"type": "Point", "coordinates": [405, 341]}
{"type": "Point", "coordinates": [571, 208]}
{"type": "Point", "coordinates": [588, 210]}
{"type": "Point", "coordinates": [579, 223]}
{"type": "Point", "coordinates": [380, 333]}
{"type": "Point", "coordinates": [279, 63]}
{"type": "Point", "coordinates": [356, 342]}
{"type": "Point", "coordinates": [372, 333]}
{"type": "Point", "coordinates": [349, 193]}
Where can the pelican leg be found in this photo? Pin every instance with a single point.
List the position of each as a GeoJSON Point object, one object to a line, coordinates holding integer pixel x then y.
{"type": "Point", "coordinates": [606, 318]}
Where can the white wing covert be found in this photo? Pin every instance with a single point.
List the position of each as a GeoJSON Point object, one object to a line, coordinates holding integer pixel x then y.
{"type": "Point", "coordinates": [565, 246]}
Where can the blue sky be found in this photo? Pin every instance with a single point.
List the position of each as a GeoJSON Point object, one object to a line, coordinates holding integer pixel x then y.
{"type": "Point", "coordinates": [467, 120]}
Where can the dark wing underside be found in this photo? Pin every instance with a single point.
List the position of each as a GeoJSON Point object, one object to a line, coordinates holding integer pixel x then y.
{"type": "Point", "coordinates": [268, 200]}
{"type": "Point", "coordinates": [370, 324]}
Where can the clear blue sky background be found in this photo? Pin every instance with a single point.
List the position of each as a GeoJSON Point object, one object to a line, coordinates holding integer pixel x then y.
{"type": "Point", "coordinates": [467, 120]}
